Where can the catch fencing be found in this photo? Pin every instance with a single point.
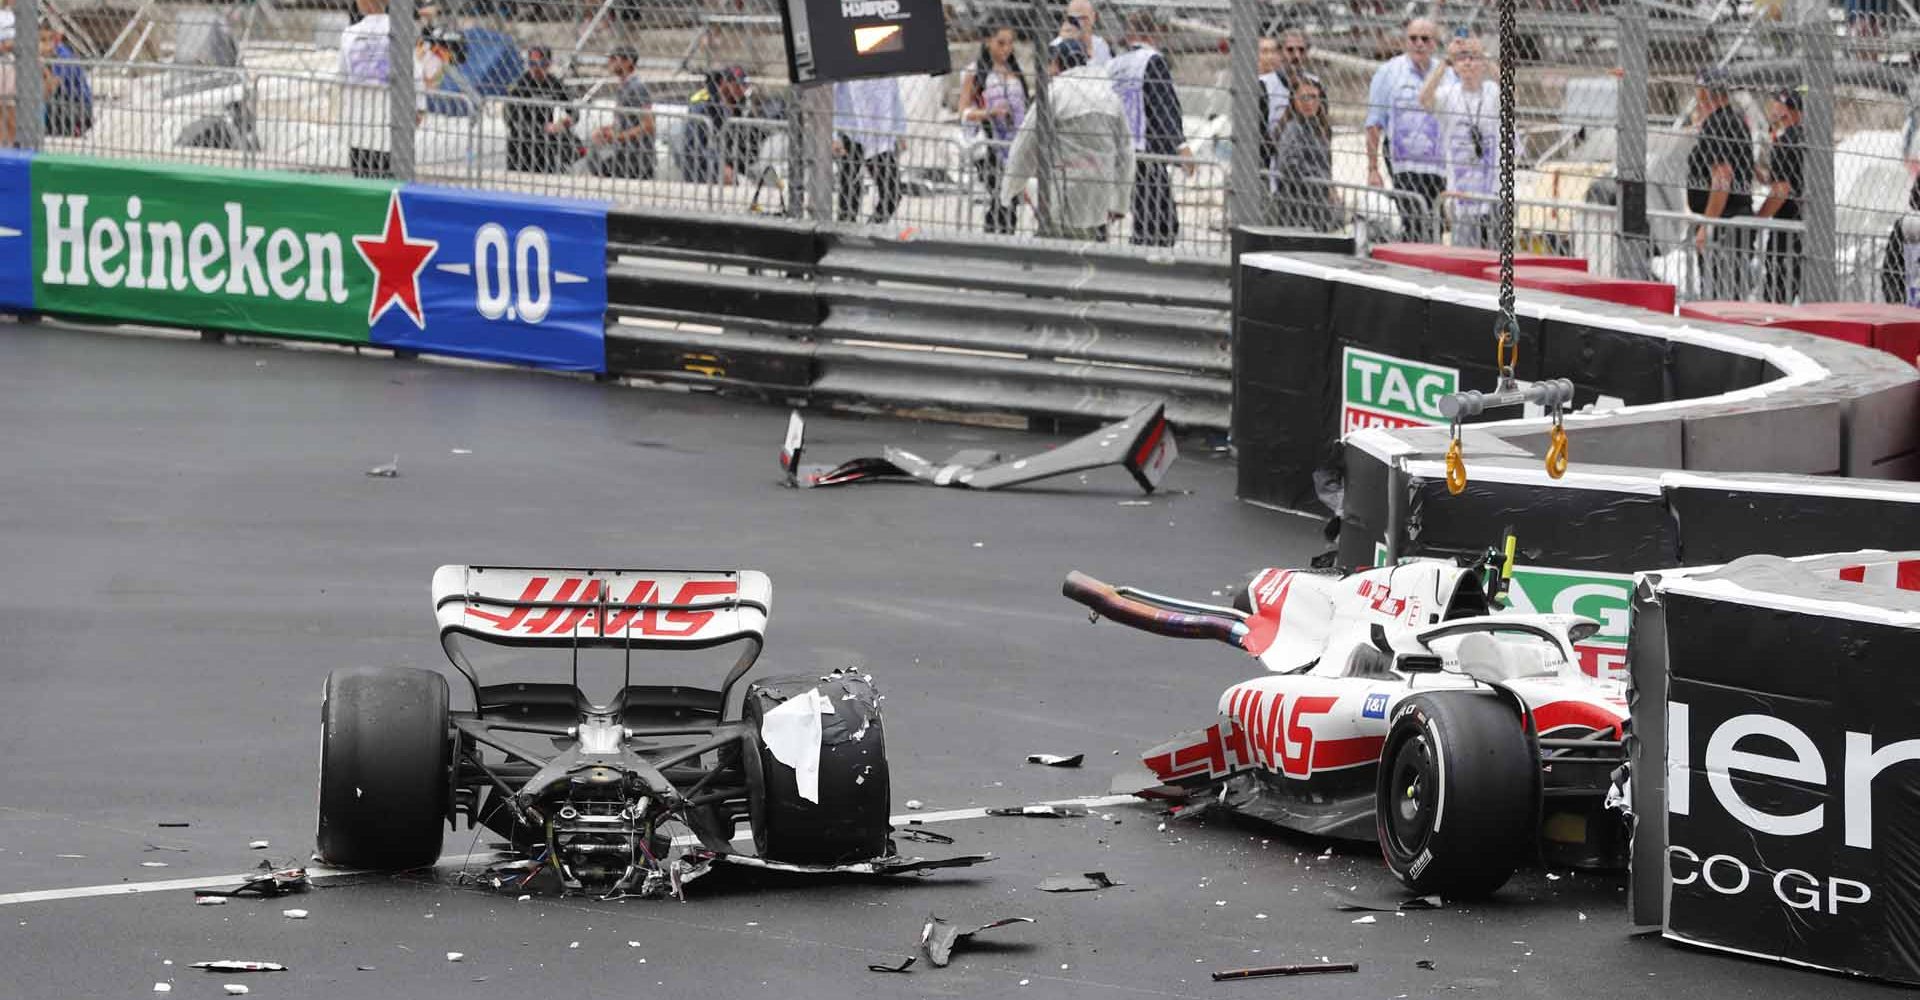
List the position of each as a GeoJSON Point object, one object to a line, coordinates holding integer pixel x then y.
{"type": "Point", "coordinates": [685, 105]}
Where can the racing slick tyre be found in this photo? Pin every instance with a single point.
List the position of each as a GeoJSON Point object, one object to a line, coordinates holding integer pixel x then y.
{"type": "Point", "coordinates": [385, 760]}
{"type": "Point", "coordinates": [846, 820]}
{"type": "Point", "coordinates": [1457, 802]}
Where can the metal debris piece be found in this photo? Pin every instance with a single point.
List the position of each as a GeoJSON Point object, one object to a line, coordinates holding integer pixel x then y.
{"type": "Point", "coordinates": [175, 848]}
{"type": "Point", "coordinates": [171, 825]}
{"type": "Point", "coordinates": [294, 914]}
{"type": "Point", "coordinates": [1368, 919]}
{"type": "Point", "coordinates": [1425, 963]}
{"type": "Point", "coordinates": [1136, 503]}
{"type": "Point", "coordinates": [391, 470]}
{"type": "Point", "coordinates": [895, 865]}
{"type": "Point", "coordinates": [939, 938]}
{"type": "Point", "coordinates": [1055, 760]}
{"type": "Point", "coordinates": [1348, 903]}
{"type": "Point", "coordinates": [153, 864]}
{"type": "Point", "coordinates": [277, 882]}
{"type": "Point", "coordinates": [259, 845]}
{"type": "Point", "coordinates": [1053, 811]}
{"type": "Point", "coordinates": [923, 835]}
{"type": "Point", "coordinates": [1305, 969]}
{"type": "Point", "coordinates": [210, 900]}
{"type": "Point", "coordinates": [163, 987]}
{"type": "Point", "coordinates": [902, 967]}
{"type": "Point", "coordinates": [239, 965]}
{"type": "Point", "coordinates": [455, 956]}
{"type": "Point", "coordinates": [365, 968]}
{"type": "Point", "coordinates": [235, 989]}
{"type": "Point", "coordinates": [1084, 882]}
{"type": "Point", "coordinates": [1143, 444]}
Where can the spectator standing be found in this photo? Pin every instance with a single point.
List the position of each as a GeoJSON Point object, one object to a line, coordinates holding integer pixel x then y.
{"type": "Point", "coordinates": [540, 135]}
{"type": "Point", "coordinates": [870, 129]}
{"type": "Point", "coordinates": [993, 100]}
{"type": "Point", "coordinates": [1409, 134]}
{"type": "Point", "coordinates": [708, 154]}
{"type": "Point", "coordinates": [1079, 24]}
{"type": "Point", "coordinates": [625, 148]}
{"type": "Point", "coordinates": [70, 104]}
{"type": "Point", "coordinates": [1720, 186]}
{"type": "Point", "coordinates": [1468, 107]}
{"type": "Point", "coordinates": [1786, 171]}
{"type": "Point", "coordinates": [1092, 154]}
{"type": "Point", "coordinates": [1303, 162]}
{"type": "Point", "coordinates": [1144, 82]}
{"type": "Point", "coordinates": [1898, 263]}
{"type": "Point", "coordinates": [365, 108]}
{"type": "Point", "coordinates": [6, 27]}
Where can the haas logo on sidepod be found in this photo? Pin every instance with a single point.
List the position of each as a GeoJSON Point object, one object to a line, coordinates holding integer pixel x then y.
{"type": "Point", "coordinates": [577, 590]}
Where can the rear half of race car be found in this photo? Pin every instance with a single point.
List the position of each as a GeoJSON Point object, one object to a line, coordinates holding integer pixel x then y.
{"type": "Point", "coordinates": [637, 795]}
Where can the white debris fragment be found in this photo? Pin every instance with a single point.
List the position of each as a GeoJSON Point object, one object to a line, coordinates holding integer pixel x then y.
{"type": "Point", "coordinates": [1219, 902]}
{"type": "Point", "coordinates": [153, 864]}
{"type": "Point", "coordinates": [982, 545]}
{"type": "Point", "coordinates": [209, 900]}
{"type": "Point", "coordinates": [294, 914]}
{"type": "Point", "coordinates": [753, 923]}
{"type": "Point", "coordinates": [1368, 919]}
{"type": "Point", "coordinates": [1259, 916]}
{"type": "Point", "coordinates": [235, 990]}
{"type": "Point", "coordinates": [1551, 877]}
{"type": "Point", "coordinates": [259, 845]}
{"type": "Point", "coordinates": [915, 804]}
{"type": "Point", "coordinates": [463, 451]}
{"type": "Point", "coordinates": [1324, 855]}
{"type": "Point", "coordinates": [633, 944]}
{"type": "Point", "coordinates": [455, 956]}
{"type": "Point", "coordinates": [573, 944]}
{"type": "Point", "coordinates": [163, 987]}
{"type": "Point", "coordinates": [1064, 966]}
{"type": "Point", "coordinates": [1583, 916]}
{"type": "Point", "coordinates": [1024, 982]}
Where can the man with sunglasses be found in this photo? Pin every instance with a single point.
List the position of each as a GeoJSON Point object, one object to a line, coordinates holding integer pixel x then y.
{"type": "Point", "coordinates": [1469, 112]}
{"type": "Point", "coordinates": [1414, 155]}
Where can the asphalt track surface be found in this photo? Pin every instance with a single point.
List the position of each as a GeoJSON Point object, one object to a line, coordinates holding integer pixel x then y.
{"type": "Point", "coordinates": [190, 543]}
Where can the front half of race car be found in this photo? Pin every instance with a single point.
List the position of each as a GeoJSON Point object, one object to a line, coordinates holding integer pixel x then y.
{"type": "Point", "coordinates": [635, 795]}
{"type": "Point", "coordinates": [1400, 706]}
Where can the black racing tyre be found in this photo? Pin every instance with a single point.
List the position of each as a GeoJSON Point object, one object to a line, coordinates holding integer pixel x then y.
{"type": "Point", "coordinates": [849, 822]}
{"type": "Point", "coordinates": [1457, 803]}
{"type": "Point", "coordinates": [385, 760]}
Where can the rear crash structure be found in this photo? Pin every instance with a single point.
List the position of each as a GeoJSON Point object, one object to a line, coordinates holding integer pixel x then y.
{"type": "Point", "coordinates": [636, 796]}
{"type": "Point", "coordinates": [1143, 444]}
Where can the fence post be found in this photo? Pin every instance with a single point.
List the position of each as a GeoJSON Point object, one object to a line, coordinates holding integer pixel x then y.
{"type": "Point", "coordinates": [1818, 280]}
{"type": "Point", "coordinates": [1246, 204]}
{"type": "Point", "coordinates": [816, 127]}
{"type": "Point", "coordinates": [1045, 135]}
{"type": "Point", "coordinates": [401, 36]}
{"type": "Point", "coordinates": [30, 109]}
{"type": "Point", "coordinates": [1632, 237]}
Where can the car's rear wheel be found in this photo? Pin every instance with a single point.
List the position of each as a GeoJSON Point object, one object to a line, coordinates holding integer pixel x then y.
{"type": "Point", "coordinates": [847, 819]}
{"type": "Point", "coordinates": [1457, 802]}
{"type": "Point", "coordinates": [385, 759]}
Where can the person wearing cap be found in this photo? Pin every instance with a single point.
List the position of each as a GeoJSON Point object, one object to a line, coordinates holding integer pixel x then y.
{"type": "Point", "coordinates": [1091, 169]}
{"type": "Point", "coordinates": [625, 148]}
{"type": "Point", "coordinates": [710, 152]}
{"type": "Point", "coordinates": [1720, 186]}
{"type": "Point", "coordinates": [1408, 134]}
{"type": "Point", "coordinates": [869, 134]}
{"type": "Point", "coordinates": [1468, 107]}
{"type": "Point", "coordinates": [364, 107]}
{"type": "Point", "coordinates": [1151, 105]}
{"type": "Point", "coordinates": [540, 135]}
{"type": "Point", "coordinates": [1786, 172]}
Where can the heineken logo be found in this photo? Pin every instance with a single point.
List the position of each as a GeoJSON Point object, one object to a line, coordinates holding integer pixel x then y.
{"type": "Point", "coordinates": [128, 249]}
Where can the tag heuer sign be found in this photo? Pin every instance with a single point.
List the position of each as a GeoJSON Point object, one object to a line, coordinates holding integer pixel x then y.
{"type": "Point", "coordinates": [831, 40]}
{"type": "Point", "coordinates": [1380, 390]}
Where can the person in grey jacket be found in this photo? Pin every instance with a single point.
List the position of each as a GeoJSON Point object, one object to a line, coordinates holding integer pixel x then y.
{"type": "Point", "coordinates": [1090, 181]}
{"type": "Point", "coordinates": [1303, 163]}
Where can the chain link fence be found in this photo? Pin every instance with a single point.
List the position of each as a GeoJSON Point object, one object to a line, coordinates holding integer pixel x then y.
{"type": "Point", "coordinates": [685, 105]}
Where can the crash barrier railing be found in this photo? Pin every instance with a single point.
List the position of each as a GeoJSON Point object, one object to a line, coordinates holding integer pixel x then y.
{"type": "Point", "coordinates": [787, 310]}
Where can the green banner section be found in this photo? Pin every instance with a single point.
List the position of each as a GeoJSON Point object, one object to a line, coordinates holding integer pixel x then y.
{"type": "Point", "coordinates": [200, 247]}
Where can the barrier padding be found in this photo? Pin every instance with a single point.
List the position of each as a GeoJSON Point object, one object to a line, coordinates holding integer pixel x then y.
{"type": "Point", "coordinates": [1654, 295]}
{"type": "Point", "coordinates": [1896, 329]}
{"type": "Point", "coordinates": [1784, 317]}
{"type": "Point", "coordinates": [1466, 262]}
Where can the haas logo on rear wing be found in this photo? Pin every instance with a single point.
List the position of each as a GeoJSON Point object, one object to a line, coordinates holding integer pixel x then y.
{"type": "Point", "coordinates": [545, 609]}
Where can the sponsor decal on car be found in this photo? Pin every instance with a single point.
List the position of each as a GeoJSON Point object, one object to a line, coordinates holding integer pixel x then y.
{"type": "Point", "coordinates": [583, 592]}
{"type": "Point", "coordinates": [1380, 390]}
{"type": "Point", "coordinates": [1375, 707]}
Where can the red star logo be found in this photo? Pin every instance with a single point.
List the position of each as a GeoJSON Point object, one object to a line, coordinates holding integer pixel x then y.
{"type": "Point", "coordinates": [397, 262]}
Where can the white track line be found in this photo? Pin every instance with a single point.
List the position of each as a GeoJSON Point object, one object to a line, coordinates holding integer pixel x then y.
{"type": "Point", "coordinates": [460, 860]}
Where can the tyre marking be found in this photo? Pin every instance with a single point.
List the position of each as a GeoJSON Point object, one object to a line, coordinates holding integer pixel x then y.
{"type": "Point", "coordinates": [1420, 863]}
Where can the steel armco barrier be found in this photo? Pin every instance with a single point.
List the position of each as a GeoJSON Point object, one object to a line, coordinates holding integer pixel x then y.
{"type": "Point", "coordinates": [789, 311]}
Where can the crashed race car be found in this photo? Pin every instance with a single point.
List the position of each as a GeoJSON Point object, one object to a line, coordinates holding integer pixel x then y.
{"type": "Point", "coordinates": [636, 794]}
{"type": "Point", "coordinates": [1402, 704]}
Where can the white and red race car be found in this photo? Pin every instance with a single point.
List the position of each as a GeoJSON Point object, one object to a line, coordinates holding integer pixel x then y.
{"type": "Point", "coordinates": [1402, 704]}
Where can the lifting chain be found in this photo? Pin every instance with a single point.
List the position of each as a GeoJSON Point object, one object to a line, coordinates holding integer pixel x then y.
{"type": "Point", "coordinates": [1509, 54]}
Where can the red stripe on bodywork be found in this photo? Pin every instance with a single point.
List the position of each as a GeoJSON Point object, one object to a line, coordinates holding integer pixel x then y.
{"type": "Point", "coordinates": [1153, 438]}
{"type": "Point", "coordinates": [1334, 754]}
{"type": "Point", "coordinates": [1560, 714]}
{"type": "Point", "coordinates": [1264, 626]}
{"type": "Point", "coordinates": [1853, 574]}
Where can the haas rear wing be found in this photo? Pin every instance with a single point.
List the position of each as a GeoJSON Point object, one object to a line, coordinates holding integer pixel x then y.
{"type": "Point", "coordinates": [604, 608]}
{"type": "Point", "coordinates": [1143, 444]}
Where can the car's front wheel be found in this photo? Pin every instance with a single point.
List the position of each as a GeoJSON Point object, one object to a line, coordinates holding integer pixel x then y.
{"type": "Point", "coordinates": [385, 755]}
{"type": "Point", "coordinates": [1457, 801]}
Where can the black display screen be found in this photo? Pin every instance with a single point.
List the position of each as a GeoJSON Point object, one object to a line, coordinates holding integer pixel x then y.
{"type": "Point", "coordinates": [832, 40]}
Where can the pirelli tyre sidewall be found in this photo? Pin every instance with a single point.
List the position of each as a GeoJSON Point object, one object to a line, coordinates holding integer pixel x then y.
{"type": "Point", "coordinates": [1457, 802]}
{"type": "Point", "coordinates": [385, 763]}
{"type": "Point", "coordinates": [850, 821]}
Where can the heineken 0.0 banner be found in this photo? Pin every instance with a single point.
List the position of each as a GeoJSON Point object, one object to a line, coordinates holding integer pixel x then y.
{"type": "Point", "coordinates": [364, 262]}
